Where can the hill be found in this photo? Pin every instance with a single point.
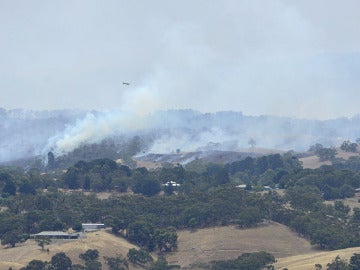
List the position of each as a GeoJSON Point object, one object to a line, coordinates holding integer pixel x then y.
{"type": "Point", "coordinates": [222, 243]}
{"type": "Point", "coordinates": [202, 245]}
{"type": "Point", "coordinates": [195, 247]}
{"type": "Point", "coordinates": [72, 133]}
{"type": "Point", "coordinates": [107, 244]}
{"type": "Point", "coordinates": [151, 160]}
{"type": "Point", "coordinates": [308, 261]}
{"type": "Point", "coordinates": [313, 162]}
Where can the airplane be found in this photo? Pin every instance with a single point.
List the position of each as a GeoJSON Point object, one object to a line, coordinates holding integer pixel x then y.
{"type": "Point", "coordinates": [126, 83]}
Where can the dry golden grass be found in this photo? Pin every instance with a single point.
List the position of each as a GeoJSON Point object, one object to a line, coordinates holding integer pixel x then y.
{"type": "Point", "coordinates": [222, 243]}
{"type": "Point", "coordinates": [308, 261]}
{"type": "Point", "coordinates": [203, 245]}
{"type": "Point", "coordinates": [313, 162]}
{"type": "Point", "coordinates": [106, 243]}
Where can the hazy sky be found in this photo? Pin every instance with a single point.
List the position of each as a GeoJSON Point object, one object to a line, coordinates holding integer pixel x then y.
{"type": "Point", "coordinates": [290, 57]}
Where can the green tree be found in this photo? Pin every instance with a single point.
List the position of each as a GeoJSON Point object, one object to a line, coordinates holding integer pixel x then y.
{"type": "Point", "coordinates": [315, 147]}
{"type": "Point", "coordinates": [26, 187]}
{"type": "Point", "coordinates": [338, 264]}
{"type": "Point", "coordinates": [304, 197]}
{"type": "Point", "coordinates": [342, 209]}
{"type": "Point", "coordinates": [169, 189]}
{"type": "Point", "coordinates": [77, 267]}
{"type": "Point", "coordinates": [248, 261]}
{"type": "Point", "coordinates": [348, 146]}
{"type": "Point", "coordinates": [147, 186]}
{"type": "Point", "coordinates": [356, 215]}
{"type": "Point", "coordinates": [43, 202]}
{"type": "Point", "coordinates": [117, 263]}
{"type": "Point", "coordinates": [166, 239]}
{"type": "Point", "coordinates": [35, 265]}
{"type": "Point", "coordinates": [330, 237]}
{"type": "Point", "coordinates": [87, 183]}
{"type": "Point", "coordinates": [326, 153]}
{"type": "Point", "coordinates": [72, 178]}
{"type": "Point", "coordinates": [60, 261]}
{"type": "Point", "coordinates": [355, 262]}
{"type": "Point", "coordinates": [93, 265]}
{"type": "Point", "coordinates": [249, 217]}
{"type": "Point", "coordinates": [51, 160]}
{"type": "Point", "coordinates": [140, 256]}
{"type": "Point", "coordinates": [42, 241]}
{"type": "Point", "coordinates": [222, 177]}
{"type": "Point", "coordinates": [90, 255]}
{"type": "Point", "coordinates": [9, 188]}
{"type": "Point", "coordinates": [141, 233]}
{"type": "Point", "coordinates": [122, 219]}
{"type": "Point", "coordinates": [346, 191]}
{"type": "Point", "coordinates": [77, 227]}
{"type": "Point", "coordinates": [13, 237]}
{"type": "Point", "coordinates": [192, 223]}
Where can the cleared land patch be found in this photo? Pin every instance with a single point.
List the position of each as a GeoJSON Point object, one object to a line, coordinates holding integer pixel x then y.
{"type": "Point", "coordinates": [222, 243]}
{"type": "Point", "coordinates": [313, 162]}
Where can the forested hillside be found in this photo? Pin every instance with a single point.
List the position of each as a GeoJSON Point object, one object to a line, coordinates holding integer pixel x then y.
{"type": "Point", "coordinates": [203, 195]}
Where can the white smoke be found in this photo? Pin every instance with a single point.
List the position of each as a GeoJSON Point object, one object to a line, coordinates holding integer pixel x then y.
{"type": "Point", "coordinates": [187, 130]}
{"type": "Point", "coordinates": [187, 142]}
{"type": "Point", "coordinates": [97, 126]}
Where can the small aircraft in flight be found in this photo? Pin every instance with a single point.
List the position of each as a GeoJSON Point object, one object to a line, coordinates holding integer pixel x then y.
{"type": "Point", "coordinates": [126, 83]}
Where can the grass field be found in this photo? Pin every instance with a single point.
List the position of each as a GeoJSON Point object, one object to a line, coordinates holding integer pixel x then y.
{"type": "Point", "coordinates": [106, 243]}
{"type": "Point", "coordinates": [220, 243]}
{"type": "Point", "coordinates": [313, 162]}
{"type": "Point", "coordinates": [308, 261]}
{"type": "Point", "coordinates": [200, 246]}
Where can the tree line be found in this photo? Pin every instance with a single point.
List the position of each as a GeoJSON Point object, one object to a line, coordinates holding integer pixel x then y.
{"type": "Point", "coordinates": [206, 196]}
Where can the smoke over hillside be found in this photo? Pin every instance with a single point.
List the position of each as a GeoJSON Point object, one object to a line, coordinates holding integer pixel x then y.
{"type": "Point", "coordinates": [190, 130]}
{"type": "Point", "coordinates": [93, 128]}
{"type": "Point", "coordinates": [29, 133]}
{"type": "Point", "coordinates": [25, 133]}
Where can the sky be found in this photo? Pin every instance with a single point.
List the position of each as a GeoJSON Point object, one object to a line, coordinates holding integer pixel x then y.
{"type": "Point", "coordinates": [261, 57]}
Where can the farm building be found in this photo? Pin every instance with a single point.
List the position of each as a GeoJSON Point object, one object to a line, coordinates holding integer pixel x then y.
{"type": "Point", "coordinates": [92, 226]}
{"type": "Point", "coordinates": [55, 235]}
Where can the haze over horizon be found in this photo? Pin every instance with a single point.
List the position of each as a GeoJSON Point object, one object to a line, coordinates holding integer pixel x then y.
{"type": "Point", "coordinates": [284, 58]}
